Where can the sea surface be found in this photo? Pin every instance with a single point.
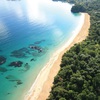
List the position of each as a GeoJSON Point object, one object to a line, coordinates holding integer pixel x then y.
{"type": "Point", "coordinates": [31, 31]}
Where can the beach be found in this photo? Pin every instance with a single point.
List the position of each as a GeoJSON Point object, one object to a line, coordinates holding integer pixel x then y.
{"type": "Point", "coordinates": [44, 81]}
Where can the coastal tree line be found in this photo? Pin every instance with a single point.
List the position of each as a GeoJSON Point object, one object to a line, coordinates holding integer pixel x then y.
{"type": "Point", "coordinates": [79, 75]}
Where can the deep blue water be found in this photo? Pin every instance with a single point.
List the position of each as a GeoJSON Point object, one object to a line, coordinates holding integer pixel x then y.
{"type": "Point", "coordinates": [30, 32]}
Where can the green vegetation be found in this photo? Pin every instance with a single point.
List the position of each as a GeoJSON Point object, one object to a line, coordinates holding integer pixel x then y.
{"type": "Point", "coordinates": [79, 76]}
{"type": "Point", "coordinates": [78, 8]}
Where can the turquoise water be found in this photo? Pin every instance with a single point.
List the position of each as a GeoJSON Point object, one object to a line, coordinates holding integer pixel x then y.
{"type": "Point", "coordinates": [30, 32]}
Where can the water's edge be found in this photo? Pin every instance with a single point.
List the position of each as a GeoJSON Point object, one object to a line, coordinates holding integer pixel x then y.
{"type": "Point", "coordinates": [48, 66]}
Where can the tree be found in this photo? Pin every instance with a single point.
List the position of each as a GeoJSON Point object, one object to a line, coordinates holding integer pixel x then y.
{"type": "Point", "coordinates": [78, 8]}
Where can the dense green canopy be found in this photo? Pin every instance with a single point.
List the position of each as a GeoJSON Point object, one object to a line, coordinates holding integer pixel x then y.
{"type": "Point", "coordinates": [79, 76]}
{"type": "Point", "coordinates": [78, 8]}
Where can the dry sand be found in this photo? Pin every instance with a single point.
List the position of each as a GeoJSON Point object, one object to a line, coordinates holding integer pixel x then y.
{"type": "Point", "coordinates": [42, 86]}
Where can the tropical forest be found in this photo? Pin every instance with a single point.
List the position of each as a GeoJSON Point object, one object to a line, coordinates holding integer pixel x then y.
{"type": "Point", "coordinates": [79, 75]}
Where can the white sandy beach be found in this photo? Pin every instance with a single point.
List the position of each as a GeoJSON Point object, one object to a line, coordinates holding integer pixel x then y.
{"type": "Point", "coordinates": [43, 83]}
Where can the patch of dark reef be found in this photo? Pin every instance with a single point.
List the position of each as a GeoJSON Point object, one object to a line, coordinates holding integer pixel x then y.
{"type": "Point", "coordinates": [19, 82]}
{"type": "Point", "coordinates": [14, 79]}
{"type": "Point", "coordinates": [8, 93]}
{"type": "Point", "coordinates": [26, 66]}
{"type": "Point", "coordinates": [21, 53]}
{"type": "Point", "coordinates": [26, 52]}
{"type": "Point", "coordinates": [39, 53]}
{"type": "Point", "coordinates": [33, 59]}
{"type": "Point", "coordinates": [2, 69]}
{"type": "Point", "coordinates": [38, 42]}
{"type": "Point", "coordinates": [39, 49]}
{"type": "Point", "coordinates": [2, 60]}
{"type": "Point", "coordinates": [16, 63]}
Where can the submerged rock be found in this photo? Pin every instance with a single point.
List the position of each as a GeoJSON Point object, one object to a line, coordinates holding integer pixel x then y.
{"type": "Point", "coordinates": [40, 52]}
{"type": "Point", "coordinates": [23, 49]}
{"type": "Point", "coordinates": [33, 59]}
{"type": "Point", "coordinates": [11, 78]}
{"type": "Point", "coordinates": [2, 60]}
{"type": "Point", "coordinates": [16, 64]}
{"type": "Point", "coordinates": [19, 82]}
{"type": "Point", "coordinates": [14, 79]}
{"type": "Point", "coordinates": [2, 69]}
{"type": "Point", "coordinates": [21, 53]}
{"type": "Point", "coordinates": [36, 48]}
{"type": "Point", "coordinates": [8, 93]}
{"type": "Point", "coordinates": [18, 54]}
{"type": "Point", "coordinates": [27, 66]}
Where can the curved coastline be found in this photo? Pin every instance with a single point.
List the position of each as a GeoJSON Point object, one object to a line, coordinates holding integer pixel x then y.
{"type": "Point", "coordinates": [43, 83]}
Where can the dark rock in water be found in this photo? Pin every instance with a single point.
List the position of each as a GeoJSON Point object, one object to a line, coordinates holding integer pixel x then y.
{"type": "Point", "coordinates": [32, 59]}
{"type": "Point", "coordinates": [8, 93]}
{"type": "Point", "coordinates": [37, 48]}
{"type": "Point", "coordinates": [26, 64]}
{"type": "Point", "coordinates": [19, 82]}
{"type": "Point", "coordinates": [2, 69]}
{"type": "Point", "coordinates": [2, 60]}
{"type": "Point", "coordinates": [16, 64]}
{"type": "Point", "coordinates": [34, 47]}
{"type": "Point", "coordinates": [40, 52]}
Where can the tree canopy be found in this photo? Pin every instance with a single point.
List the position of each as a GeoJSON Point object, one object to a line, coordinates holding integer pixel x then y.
{"type": "Point", "coordinates": [79, 75]}
{"type": "Point", "coordinates": [78, 8]}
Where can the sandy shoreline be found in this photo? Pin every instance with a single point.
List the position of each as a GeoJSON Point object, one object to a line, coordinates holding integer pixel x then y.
{"type": "Point", "coordinates": [42, 85]}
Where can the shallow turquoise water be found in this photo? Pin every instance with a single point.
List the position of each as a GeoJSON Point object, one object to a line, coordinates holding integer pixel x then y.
{"type": "Point", "coordinates": [43, 25]}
